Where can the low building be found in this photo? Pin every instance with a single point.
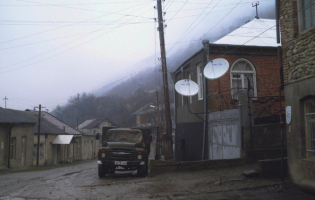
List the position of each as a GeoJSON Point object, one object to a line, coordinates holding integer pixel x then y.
{"type": "Point", "coordinates": [16, 139]}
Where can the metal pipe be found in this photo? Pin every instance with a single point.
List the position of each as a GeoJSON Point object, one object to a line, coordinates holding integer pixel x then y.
{"type": "Point", "coordinates": [205, 100]}
{"type": "Point", "coordinates": [250, 122]}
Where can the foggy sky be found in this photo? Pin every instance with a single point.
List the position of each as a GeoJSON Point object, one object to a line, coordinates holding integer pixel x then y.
{"type": "Point", "coordinates": [53, 49]}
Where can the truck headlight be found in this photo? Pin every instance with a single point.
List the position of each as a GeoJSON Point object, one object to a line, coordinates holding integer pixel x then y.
{"type": "Point", "coordinates": [139, 157]}
{"type": "Point", "coordinates": [103, 155]}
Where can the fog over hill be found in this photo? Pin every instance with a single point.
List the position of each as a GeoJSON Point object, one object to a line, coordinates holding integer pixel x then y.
{"type": "Point", "coordinates": [135, 89]}
{"type": "Point", "coordinates": [151, 77]}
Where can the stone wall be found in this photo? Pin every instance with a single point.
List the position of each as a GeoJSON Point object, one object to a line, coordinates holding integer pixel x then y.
{"type": "Point", "coordinates": [298, 53]}
{"type": "Point", "coordinates": [298, 48]}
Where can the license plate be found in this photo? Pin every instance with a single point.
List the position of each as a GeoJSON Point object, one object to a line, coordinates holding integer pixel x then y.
{"type": "Point", "coordinates": [120, 162]}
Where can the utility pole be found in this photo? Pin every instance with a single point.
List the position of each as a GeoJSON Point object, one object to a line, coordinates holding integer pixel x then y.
{"type": "Point", "coordinates": [38, 132]}
{"type": "Point", "coordinates": [5, 102]}
{"type": "Point", "coordinates": [256, 5]}
{"type": "Point", "coordinates": [168, 151]}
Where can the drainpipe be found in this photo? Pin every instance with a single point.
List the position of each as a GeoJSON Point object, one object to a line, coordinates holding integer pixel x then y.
{"type": "Point", "coordinates": [205, 104]}
{"type": "Point", "coordinates": [175, 106]}
{"type": "Point", "coordinates": [281, 86]}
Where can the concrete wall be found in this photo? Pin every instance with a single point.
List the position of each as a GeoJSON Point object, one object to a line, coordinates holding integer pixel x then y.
{"type": "Point", "coordinates": [4, 141]}
{"type": "Point", "coordinates": [299, 166]}
{"type": "Point", "coordinates": [23, 153]}
{"type": "Point", "coordinates": [42, 150]}
{"type": "Point", "coordinates": [298, 52]}
{"type": "Point", "coordinates": [18, 132]}
{"type": "Point", "coordinates": [88, 147]}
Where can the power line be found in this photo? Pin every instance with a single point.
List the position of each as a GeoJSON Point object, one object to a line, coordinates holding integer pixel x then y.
{"type": "Point", "coordinates": [214, 25]}
{"type": "Point", "coordinates": [62, 26]}
{"type": "Point", "coordinates": [115, 13]}
{"type": "Point", "coordinates": [75, 4]}
{"type": "Point", "coordinates": [192, 24]}
{"type": "Point", "coordinates": [54, 50]}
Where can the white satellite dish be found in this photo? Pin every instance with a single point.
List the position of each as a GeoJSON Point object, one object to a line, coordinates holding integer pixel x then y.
{"type": "Point", "coordinates": [186, 87]}
{"type": "Point", "coordinates": [216, 68]}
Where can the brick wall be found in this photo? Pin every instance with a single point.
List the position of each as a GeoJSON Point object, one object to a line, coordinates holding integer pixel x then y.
{"type": "Point", "coordinates": [267, 74]}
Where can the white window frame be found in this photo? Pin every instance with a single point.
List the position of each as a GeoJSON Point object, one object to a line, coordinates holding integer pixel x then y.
{"type": "Point", "coordinates": [242, 73]}
{"type": "Point", "coordinates": [301, 11]}
{"type": "Point", "coordinates": [309, 117]}
{"type": "Point", "coordinates": [200, 81]}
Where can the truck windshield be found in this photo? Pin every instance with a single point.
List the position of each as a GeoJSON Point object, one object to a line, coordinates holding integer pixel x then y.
{"type": "Point", "coordinates": [124, 135]}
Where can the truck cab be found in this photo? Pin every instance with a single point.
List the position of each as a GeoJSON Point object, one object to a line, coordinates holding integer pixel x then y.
{"type": "Point", "coordinates": [123, 149]}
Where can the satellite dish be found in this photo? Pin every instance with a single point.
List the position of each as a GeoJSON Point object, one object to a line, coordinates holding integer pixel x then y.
{"type": "Point", "coordinates": [216, 68]}
{"type": "Point", "coordinates": [186, 87]}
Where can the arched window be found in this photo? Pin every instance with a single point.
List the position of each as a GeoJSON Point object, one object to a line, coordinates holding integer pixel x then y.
{"type": "Point", "coordinates": [240, 71]}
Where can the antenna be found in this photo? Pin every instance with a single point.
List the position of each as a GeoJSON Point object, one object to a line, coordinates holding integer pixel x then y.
{"type": "Point", "coordinates": [186, 87]}
{"type": "Point", "coordinates": [216, 68]}
{"type": "Point", "coordinates": [256, 4]}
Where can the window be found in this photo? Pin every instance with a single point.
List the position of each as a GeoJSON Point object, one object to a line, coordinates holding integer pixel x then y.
{"type": "Point", "coordinates": [306, 14]}
{"type": "Point", "coordinates": [309, 115]}
{"type": "Point", "coordinates": [242, 70]}
{"type": "Point", "coordinates": [13, 148]}
{"type": "Point", "coordinates": [200, 81]}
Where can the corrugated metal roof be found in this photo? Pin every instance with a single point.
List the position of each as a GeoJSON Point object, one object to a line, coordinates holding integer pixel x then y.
{"type": "Point", "coordinates": [258, 32]}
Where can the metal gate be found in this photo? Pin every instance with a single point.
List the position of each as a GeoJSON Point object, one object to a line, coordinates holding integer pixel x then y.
{"type": "Point", "coordinates": [224, 135]}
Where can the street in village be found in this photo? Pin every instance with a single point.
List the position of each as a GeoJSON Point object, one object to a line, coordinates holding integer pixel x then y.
{"type": "Point", "coordinates": [80, 181]}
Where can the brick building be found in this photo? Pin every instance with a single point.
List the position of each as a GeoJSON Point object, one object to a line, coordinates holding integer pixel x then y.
{"type": "Point", "coordinates": [223, 133]}
{"type": "Point", "coordinates": [297, 20]}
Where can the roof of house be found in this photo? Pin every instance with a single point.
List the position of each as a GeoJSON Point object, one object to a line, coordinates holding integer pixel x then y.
{"type": "Point", "coordinates": [95, 123]}
{"type": "Point", "coordinates": [56, 122]}
{"type": "Point", "coordinates": [150, 107]}
{"type": "Point", "coordinates": [85, 123]}
{"type": "Point", "coordinates": [15, 116]}
{"type": "Point", "coordinates": [258, 32]}
{"type": "Point", "coordinates": [18, 116]}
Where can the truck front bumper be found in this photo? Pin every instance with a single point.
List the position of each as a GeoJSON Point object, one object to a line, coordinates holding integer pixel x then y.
{"type": "Point", "coordinates": [121, 163]}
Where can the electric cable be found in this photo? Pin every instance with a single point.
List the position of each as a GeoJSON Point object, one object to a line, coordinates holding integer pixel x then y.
{"type": "Point", "coordinates": [60, 27]}
{"type": "Point", "coordinates": [54, 50]}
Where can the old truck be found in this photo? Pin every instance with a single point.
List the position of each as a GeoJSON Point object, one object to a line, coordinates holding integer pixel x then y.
{"type": "Point", "coordinates": [123, 149]}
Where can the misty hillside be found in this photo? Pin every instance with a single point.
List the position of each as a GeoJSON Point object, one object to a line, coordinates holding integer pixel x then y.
{"type": "Point", "coordinates": [151, 78]}
{"type": "Point", "coordinates": [119, 99]}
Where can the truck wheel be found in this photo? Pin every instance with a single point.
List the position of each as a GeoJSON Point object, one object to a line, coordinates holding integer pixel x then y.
{"type": "Point", "coordinates": [101, 171]}
{"type": "Point", "coordinates": [142, 170]}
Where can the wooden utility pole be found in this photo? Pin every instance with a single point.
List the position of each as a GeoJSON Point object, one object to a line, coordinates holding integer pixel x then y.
{"type": "Point", "coordinates": [38, 132]}
{"type": "Point", "coordinates": [168, 143]}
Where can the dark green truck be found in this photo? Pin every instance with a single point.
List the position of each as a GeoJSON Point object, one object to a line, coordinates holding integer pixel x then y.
{"type": "Point", "coordinates": [123, 149]}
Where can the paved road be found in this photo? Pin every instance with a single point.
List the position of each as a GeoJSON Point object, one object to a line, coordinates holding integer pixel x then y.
{"type": "Point", "coordinates": [80, 181]}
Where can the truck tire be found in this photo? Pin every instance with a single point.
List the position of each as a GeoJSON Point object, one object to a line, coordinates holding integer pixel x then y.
{"type": "Point", "coordinates": [101, 171]}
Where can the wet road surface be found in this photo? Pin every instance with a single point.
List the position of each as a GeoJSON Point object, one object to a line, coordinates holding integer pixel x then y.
{"type": "Point", "coordinates": [80, 181]}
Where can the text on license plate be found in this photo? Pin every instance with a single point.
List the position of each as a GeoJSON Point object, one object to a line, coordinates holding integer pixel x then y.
{"type": "Point", "coordinates": [120, 162]}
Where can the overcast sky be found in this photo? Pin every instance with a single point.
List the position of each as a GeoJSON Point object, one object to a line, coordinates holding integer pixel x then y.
{"type": "Point", "coordinates": [53, 49]}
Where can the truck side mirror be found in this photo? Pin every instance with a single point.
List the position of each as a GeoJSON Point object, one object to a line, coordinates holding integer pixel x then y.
{"type": "Point", "coordinates": [97, 136]}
